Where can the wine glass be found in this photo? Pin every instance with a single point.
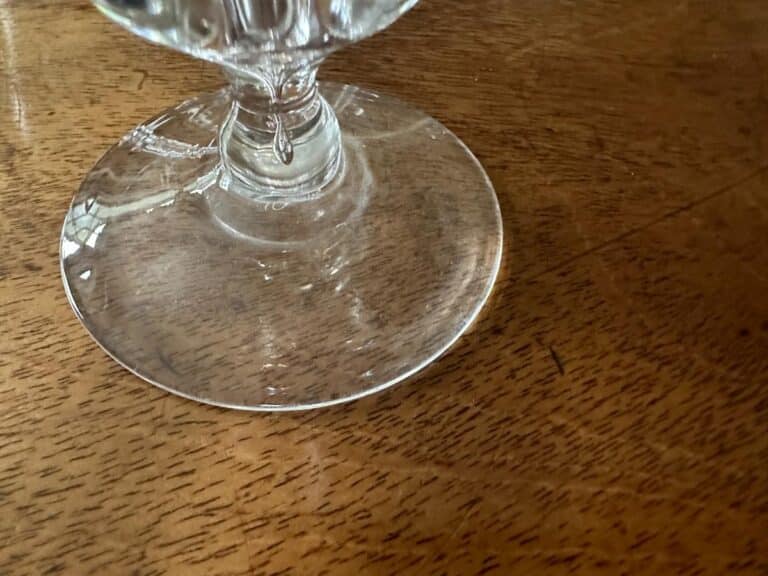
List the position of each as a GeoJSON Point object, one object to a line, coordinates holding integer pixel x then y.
{"type": "Point", "coordinates": [280, 243]}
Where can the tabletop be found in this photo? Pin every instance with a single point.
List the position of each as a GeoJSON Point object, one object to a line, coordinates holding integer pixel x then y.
{"type": "Point", "coordinates": [606, 414]}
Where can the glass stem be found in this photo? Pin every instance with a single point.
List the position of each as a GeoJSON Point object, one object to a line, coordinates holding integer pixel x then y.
{"type": "Point", "coordinates": [281, 138]}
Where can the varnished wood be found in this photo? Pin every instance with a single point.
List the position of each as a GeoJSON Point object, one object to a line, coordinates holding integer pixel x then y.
{"type": "Point", "coordinates": [607, 415]}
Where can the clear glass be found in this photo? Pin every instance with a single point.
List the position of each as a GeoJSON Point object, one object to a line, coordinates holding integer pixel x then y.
{"type": "Point", "coordinates": [279, 244]}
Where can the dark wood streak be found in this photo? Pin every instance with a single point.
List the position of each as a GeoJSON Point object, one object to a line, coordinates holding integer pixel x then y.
{"type": "Point", "coordinates": [608, 413]}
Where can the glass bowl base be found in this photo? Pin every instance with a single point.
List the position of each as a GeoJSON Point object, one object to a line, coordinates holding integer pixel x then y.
{"type": "Point", "coordinates": [274, 304]}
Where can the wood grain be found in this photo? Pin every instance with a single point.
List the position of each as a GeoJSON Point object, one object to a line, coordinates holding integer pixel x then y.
{"type": "Point", "coordinates": [607, 415]}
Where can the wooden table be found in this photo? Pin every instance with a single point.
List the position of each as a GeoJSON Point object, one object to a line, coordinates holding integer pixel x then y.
{"type": "Point", "coordinates": [608, 414]}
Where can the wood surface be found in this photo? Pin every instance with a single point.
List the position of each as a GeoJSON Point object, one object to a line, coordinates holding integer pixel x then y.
{"type": "Point", "coordinates": [608, 414]}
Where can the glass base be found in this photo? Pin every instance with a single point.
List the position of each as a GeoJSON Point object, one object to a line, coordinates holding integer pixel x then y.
{"type": "Point", "coordinates": [280, 303]}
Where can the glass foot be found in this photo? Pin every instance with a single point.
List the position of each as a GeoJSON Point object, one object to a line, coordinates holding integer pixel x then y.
{"type": "Point", "coordinates": [280, 303]}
